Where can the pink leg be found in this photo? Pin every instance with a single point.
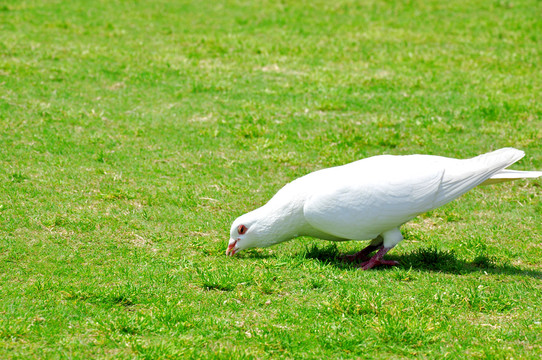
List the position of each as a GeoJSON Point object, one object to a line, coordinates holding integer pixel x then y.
{"type": "Point", "coordinates": [377, 260]}
{"type": "Point", "coordinates": [361, 255]}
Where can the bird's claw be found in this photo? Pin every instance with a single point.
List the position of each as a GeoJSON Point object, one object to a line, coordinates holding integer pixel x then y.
{"type": "Point", "coordinates": [374, 262]}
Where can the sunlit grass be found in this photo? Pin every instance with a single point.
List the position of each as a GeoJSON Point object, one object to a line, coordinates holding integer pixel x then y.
{"type": "Point", "coordinates": [133, 133]}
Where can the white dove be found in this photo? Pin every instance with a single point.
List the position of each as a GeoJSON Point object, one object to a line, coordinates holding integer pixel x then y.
{"type": "Point", "coordinates": [369, 199]}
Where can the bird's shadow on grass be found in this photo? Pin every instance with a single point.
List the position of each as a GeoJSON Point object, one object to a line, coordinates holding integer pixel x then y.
{"type": "Point", "coordinates": [426, 259]}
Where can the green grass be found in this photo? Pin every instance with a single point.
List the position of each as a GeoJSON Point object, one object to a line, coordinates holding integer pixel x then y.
{"type": "Point", "coordinates": [132, 133]}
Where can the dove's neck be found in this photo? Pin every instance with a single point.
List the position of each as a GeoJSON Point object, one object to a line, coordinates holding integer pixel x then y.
{"type": "Point", "coordinates": [280, 221]}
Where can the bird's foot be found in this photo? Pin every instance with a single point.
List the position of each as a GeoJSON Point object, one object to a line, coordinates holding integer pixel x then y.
{"type": "Point", "coordinates": [377, 260]}
{"type": "Point", "coordinates": [360, 255]}
{"type": "Point", "coordinates": [373, 262]}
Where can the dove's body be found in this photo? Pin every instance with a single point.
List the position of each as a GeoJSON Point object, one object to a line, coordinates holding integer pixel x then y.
{"type": "Point", "coordinates": [371, 198]}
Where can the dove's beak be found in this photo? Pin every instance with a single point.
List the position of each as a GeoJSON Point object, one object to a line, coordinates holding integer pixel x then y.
{"type": "Point", "coordinates": [231, 250]}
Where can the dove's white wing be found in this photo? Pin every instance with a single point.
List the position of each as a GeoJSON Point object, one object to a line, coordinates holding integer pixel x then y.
{"type": "Point", "coordinates": [363, 199]}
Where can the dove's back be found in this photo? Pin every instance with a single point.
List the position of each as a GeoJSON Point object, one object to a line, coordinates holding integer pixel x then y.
{"type": "Point", "coordinates": [362, 199]}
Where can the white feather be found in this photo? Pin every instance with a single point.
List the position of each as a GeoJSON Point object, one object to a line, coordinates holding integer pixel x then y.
{"type": "Point", "coordinates": [370, 197]}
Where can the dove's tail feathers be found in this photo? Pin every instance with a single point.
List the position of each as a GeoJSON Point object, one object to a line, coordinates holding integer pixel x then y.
{"type": "Point", "coordinates": [499, 159]}
{"type": "Point", "coordinates": [502, 158]}
{"type": "Point", "coordinates": [462, 175]}
{"type": "Point", "coordinates": [510, 175]}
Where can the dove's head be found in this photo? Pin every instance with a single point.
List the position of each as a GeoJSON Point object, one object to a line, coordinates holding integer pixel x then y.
{"type": "Point", "coordinates": [263, 227]}
{"type": "Point", "coordinates": [244, 234]}
{"type": "Point", "coordinates": [258, 228]}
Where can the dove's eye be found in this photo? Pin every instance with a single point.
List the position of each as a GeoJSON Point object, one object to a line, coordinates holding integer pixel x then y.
{"type": "Point", "coordinates": [241, 229]}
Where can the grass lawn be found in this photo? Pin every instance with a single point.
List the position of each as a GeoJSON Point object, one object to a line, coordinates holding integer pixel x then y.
{"type": "Point", "coordinates": [132, 133]}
